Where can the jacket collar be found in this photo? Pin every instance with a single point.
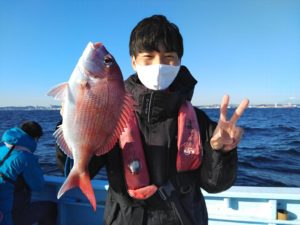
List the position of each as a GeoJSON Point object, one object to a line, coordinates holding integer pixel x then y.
{"type": "Point", "coordinates": [155, 106]}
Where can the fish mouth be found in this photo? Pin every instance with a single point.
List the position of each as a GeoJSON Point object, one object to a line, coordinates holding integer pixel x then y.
{"type": "Point", "coordinates": [97, 45]}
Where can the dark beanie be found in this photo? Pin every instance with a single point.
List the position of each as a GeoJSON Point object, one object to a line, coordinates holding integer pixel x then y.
{"type": "Point", "coordinates": [32, 128]}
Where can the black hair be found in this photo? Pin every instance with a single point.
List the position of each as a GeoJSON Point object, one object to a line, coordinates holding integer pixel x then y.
{"type": "Point", "coordinates": [154, 32]}
{"type": "Point", "coordinates": [32, 128]}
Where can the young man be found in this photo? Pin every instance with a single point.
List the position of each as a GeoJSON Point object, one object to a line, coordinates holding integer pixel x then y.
{"type": "Point", "coordinates": [20, 174]}
{"type": "Point", "coordinates": [171, 149]}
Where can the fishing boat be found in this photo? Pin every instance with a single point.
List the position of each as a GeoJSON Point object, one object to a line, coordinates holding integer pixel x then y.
{"type": "Point", "coordinates": [237, 205]}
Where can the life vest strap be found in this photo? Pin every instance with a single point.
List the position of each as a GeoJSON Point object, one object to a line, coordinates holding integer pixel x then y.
{"type": "Point", "coordinates": [168, 193]}
{"type": "Point", "coordinates": [189, 146]}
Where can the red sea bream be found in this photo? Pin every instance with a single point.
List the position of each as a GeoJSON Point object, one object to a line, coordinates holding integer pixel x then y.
{"type": "Point", "coordinates": [95, 111]}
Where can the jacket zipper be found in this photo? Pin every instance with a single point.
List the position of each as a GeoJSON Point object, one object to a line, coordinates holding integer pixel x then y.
{"type": "Point", "coordinates": [149, 107]}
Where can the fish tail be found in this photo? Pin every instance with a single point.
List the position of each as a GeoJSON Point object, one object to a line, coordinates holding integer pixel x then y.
{"type": "Point", "coordinates": [83, 182]}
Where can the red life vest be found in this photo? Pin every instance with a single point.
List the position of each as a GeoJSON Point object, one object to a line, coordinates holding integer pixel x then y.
{"type": "Point", "coordinates": [189, 154]}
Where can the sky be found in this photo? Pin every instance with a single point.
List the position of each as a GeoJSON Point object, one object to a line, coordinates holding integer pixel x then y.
{"type": "Point", "coordinates": [244, 48]}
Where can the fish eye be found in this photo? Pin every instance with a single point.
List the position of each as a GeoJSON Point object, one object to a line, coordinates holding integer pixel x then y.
{"type": "Point", "coordinates": [108, 60]}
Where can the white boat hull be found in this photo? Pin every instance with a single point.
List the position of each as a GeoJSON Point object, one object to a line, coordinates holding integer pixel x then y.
{"type": "Point", "coordinates": [238, 205]}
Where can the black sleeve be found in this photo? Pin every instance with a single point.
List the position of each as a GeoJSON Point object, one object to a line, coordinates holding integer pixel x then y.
{"type": "Point", "coordinates": [96, 163]}
{"type": "Point", "coordinates": [218, 169]}
{"type": "Point", "coordinates": [60, 158]}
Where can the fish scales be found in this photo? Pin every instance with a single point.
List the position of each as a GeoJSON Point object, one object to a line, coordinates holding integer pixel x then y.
{"type": "Point", "coordinates": [99, 124]}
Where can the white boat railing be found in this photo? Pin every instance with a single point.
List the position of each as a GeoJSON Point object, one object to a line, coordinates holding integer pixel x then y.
{"type": "Point", "coordinates": [254, 205]}
{"type": "Point", "coordinates": [238, 205]}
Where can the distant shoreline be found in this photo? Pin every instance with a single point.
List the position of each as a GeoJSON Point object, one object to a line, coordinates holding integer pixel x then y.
{"type": "Point", "coordinates": [214, 106]}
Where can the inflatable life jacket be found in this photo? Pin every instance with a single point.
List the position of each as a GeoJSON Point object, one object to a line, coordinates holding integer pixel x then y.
{"type": "Point", "coordinates": [189, 154]}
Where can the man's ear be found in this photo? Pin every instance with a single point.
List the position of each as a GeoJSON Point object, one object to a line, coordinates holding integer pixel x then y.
{"type": "Point", "coordinates": [133, 63]}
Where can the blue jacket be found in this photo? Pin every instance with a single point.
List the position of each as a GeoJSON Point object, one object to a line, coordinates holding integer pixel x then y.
{"type": "Point", "coordinates": [20, 162]}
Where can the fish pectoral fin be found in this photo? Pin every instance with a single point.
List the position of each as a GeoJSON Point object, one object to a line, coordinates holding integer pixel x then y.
{"type": "Point", "coordinates": [81, 180]}
{"type": "Point", "coordinates": [60, 140]}
{"type": "Point", "coordinates": [126, 114]}
{"type": "Point", "coordinates": [59, 91]}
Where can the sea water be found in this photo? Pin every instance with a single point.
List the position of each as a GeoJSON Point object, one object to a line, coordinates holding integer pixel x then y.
{"type": "Point", "coordinates": [269, 153]}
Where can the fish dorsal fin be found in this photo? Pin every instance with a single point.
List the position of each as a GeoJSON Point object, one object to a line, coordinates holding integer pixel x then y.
{"type": "Point", "coordinates": [125, 115]}
{"type": "Point", "coordinates": [59, 136]}
{"type": "Point", "coordinates": [59, 91]}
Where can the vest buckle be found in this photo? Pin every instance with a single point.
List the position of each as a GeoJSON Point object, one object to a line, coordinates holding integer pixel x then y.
{"type": "Point", "coordinates": [166, 190]}
{"type": "Point", "coordinates": [134, 166]}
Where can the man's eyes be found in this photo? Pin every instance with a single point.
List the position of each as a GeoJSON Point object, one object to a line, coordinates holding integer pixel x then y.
{"type": "Point", "coordinates": [146, 56]}
{"type": "Point", "coordinates": [170, 56]}
{"type": "Point", "coordinates": [152, 56]}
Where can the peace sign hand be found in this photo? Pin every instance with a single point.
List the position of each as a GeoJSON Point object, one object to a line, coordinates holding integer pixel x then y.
{"type": "Point", "coordinates": [227, 135]}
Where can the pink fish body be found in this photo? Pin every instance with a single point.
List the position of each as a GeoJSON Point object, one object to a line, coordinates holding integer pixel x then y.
{"type": "Point", "coordinates": [95, 111]}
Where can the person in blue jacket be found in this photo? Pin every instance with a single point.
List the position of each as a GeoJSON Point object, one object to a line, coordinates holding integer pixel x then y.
{"type": "Point", "coordinates": [20, 174]}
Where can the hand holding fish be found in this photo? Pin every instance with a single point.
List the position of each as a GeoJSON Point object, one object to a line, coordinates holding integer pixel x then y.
{"type": "Point", "coordinates": [227, 135]}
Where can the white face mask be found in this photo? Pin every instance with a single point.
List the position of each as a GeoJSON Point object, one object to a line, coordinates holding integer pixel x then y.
{"type": "Point", "coordinates": [157, 76]}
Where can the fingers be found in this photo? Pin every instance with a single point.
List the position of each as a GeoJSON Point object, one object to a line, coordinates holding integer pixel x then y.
{"type": "Point", "coordinates": [239, 111]}
{"type": "Point", "coordinates": [216, 141]}
{"type": "Point", "coordinates": [225, 141]}
{"type": "Point", "coordinates": [223, 108]}
{"type": "Point", "coordinates": [238, 133]}
{"type": "Point", "coordinates": [226, 134]}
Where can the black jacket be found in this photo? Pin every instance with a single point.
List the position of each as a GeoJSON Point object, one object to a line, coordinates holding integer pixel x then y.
{"type": "Point", "coordinates": [157, 113]}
